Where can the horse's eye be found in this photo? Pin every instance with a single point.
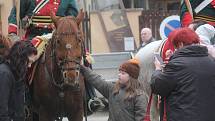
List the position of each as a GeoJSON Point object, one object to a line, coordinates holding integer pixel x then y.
{"type": "Point", "coordinates": [79, 58]}
{"type": "Point", "coordinates": [60, 58]}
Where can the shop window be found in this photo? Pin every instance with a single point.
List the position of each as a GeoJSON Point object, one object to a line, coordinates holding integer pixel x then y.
{"type": "Point", "coordinates": [133, 3]}
{"type": "Point", "coordinates": [173, 6]}
{"type": "Point", "coordinates": [139, 3]}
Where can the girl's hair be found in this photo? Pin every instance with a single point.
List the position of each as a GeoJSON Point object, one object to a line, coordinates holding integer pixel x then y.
{"type": "Point", "coordinates": [131, 89]}
{"type": "Point", "coordinates": [17, 57]}
{"type": "Point", "coordinates": [185, 36]}
{"type": "Point", "coordinates": [5, 45]}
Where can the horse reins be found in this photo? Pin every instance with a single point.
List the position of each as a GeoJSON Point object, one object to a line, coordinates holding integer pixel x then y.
{"type": "Point", "coordinates": [60, 64]}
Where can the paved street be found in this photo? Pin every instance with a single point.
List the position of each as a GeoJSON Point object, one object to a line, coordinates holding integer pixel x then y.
{"type": "Point", "coordinates": [98, 116]}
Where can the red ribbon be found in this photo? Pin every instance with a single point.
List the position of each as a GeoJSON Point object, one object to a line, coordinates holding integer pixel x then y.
{"type": "Point", "coordinates": [213, 3]}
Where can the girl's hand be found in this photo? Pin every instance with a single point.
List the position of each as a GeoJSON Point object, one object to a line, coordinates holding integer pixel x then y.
{"type": "Point", "coordinates": [168, 53]}
{"type": "Point", "coordinates": [157, 64]}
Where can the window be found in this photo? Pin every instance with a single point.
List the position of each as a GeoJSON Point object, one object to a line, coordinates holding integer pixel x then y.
{"type": "Point", "coordinates": [127, 3]}
{"type": "Point", "coordinates": [139, 4]}
{"type": "Point", "coordinates": [104, 5]}
{"type": "Point", "coordinates": [173, 6]}
{"type": "Point", "coordinates": [134, 3]}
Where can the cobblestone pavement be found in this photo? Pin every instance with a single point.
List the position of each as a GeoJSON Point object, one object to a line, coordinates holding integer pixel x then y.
{"type": "Point", "coordinates": [97, 116]}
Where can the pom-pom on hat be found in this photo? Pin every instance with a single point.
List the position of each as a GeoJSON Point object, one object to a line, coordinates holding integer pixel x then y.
{"type": "Point", "coordinates": [131, 67]}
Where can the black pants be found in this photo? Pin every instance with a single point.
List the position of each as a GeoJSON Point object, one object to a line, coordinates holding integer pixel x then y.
{"type": "Point", "coordinates": [12, 101]}
{"type": "Point", "coordinates": [90, 91]}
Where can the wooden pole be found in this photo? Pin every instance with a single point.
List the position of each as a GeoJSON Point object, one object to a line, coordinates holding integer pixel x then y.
{"type": "Point", "coordinates": [147, 4]}
{"type": "Point", "coordinates": [17, 4]}
{"type": "Point", "coordinates": [189, 7]}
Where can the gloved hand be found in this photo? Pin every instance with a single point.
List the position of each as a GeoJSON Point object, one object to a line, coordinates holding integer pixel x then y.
{"type": "Point", "coordinates": [25, 22]}
{"type": "Point", "coordinates": [95, 104]}
{"type": "Point", "coordinates": [82, 68]}
{"type": "Point", "coordinates": [13, 37]}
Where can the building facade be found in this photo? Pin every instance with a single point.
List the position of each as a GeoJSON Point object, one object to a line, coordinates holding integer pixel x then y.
{"type": "Point", "coordinates": [152, 4]}
{"type": "Point", "coordinates": [5, 7]}
{"type": "Point", "coordinates": [118, 22]}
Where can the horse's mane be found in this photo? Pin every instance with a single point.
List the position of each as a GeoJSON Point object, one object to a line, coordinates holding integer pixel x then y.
{"type": "Point", "coordinates": [65, 25]}
{"type": "Point", "coordinates": [146, 56]}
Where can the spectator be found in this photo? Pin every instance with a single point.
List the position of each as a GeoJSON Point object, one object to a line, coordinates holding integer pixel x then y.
{"type": "Point", "coordinates": [204, 13]}
{"type": "Point", "coordinates": [186, 81]}
{"type": "Point", "coordinates": [126, 100]}
{"type": "Point", "coordinates": [146, 37]}
{"type": "Point", "coordinates": [13, 71]}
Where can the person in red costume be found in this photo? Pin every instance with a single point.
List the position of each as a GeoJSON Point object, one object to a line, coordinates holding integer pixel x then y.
{"type": "Point", "coordinates": [197, 10]}
{"type": "Point", "coordinates": [35, 16]}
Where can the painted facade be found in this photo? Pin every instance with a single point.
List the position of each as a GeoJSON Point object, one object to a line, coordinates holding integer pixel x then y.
{"type": "Point", "coordinates": [5, 7]}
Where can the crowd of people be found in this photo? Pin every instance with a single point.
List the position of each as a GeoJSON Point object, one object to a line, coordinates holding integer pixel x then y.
{"type": "Point", "coordinates": [186, 83]}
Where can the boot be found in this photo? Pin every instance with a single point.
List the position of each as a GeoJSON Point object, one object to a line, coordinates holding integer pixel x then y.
{"type": "Point", "coordinates": [95, 104]}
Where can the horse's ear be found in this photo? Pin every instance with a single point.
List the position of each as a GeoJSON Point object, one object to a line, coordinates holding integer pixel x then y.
{"type": "Point", "coordinates": [54, 18]}
{"type": "Point", "coordinates": [80, 17]}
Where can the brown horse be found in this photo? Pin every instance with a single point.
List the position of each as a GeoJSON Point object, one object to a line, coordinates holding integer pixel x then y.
{"type": "Point", "coordinates": [58, 85]}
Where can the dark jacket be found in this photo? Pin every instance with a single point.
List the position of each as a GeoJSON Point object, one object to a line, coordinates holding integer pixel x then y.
{"type": "Point", "coordinates": [188, 83]}
{"type": "Point", "coordinates": [144, 44]}
{"type": "Point", "coordinates": [12, 95]}
{"type": "Point", "coordinates": [119, 109]}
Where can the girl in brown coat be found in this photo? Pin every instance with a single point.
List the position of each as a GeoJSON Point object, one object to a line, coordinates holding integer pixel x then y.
{"type": "Point", "coordinates": [126, 101]}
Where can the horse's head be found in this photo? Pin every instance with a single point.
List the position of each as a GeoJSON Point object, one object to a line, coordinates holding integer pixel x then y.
{"type": "Point", "coordinates": [67, 47]}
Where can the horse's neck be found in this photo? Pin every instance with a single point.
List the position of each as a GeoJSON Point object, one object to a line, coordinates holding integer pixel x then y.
{"type": "Point", "coordinates": [47, 58]}
{"type": "Point", "coordinates": [49, 61]}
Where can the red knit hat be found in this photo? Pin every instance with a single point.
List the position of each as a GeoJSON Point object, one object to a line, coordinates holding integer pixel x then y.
{"type": "Point", "coordinates": [131, 67]}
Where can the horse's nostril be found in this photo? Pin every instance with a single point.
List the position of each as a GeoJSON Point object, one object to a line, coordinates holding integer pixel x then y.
{"type": "Point", "coordinates": [64, 75]}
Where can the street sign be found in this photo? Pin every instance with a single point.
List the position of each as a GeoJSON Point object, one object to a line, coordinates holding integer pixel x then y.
{"type": "Point", "coordinates": [168, 25]}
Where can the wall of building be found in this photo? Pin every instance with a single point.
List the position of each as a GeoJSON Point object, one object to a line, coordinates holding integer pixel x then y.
{"type": "Point", "coordinates": [164, 4]}
{"type": "Point", "coordinates": [99, 42]}
{"type": "Point", "coordinates": [5, 7]}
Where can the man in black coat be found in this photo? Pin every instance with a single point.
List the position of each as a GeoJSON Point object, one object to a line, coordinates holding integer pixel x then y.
{"type": "Point", "coordinates": [187, 82]}
{"type": "Point", "coordinates": [146, 37]}
{"type": "Point", "coordinates": [13, 69]}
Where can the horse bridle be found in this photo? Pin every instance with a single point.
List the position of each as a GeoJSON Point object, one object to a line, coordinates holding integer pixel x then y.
{"type": "Point", "coordinates": [62, 62]}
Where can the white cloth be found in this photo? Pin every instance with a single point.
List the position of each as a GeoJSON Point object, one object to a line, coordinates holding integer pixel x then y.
{"type": "Point", "coordinates": [205, 32]}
